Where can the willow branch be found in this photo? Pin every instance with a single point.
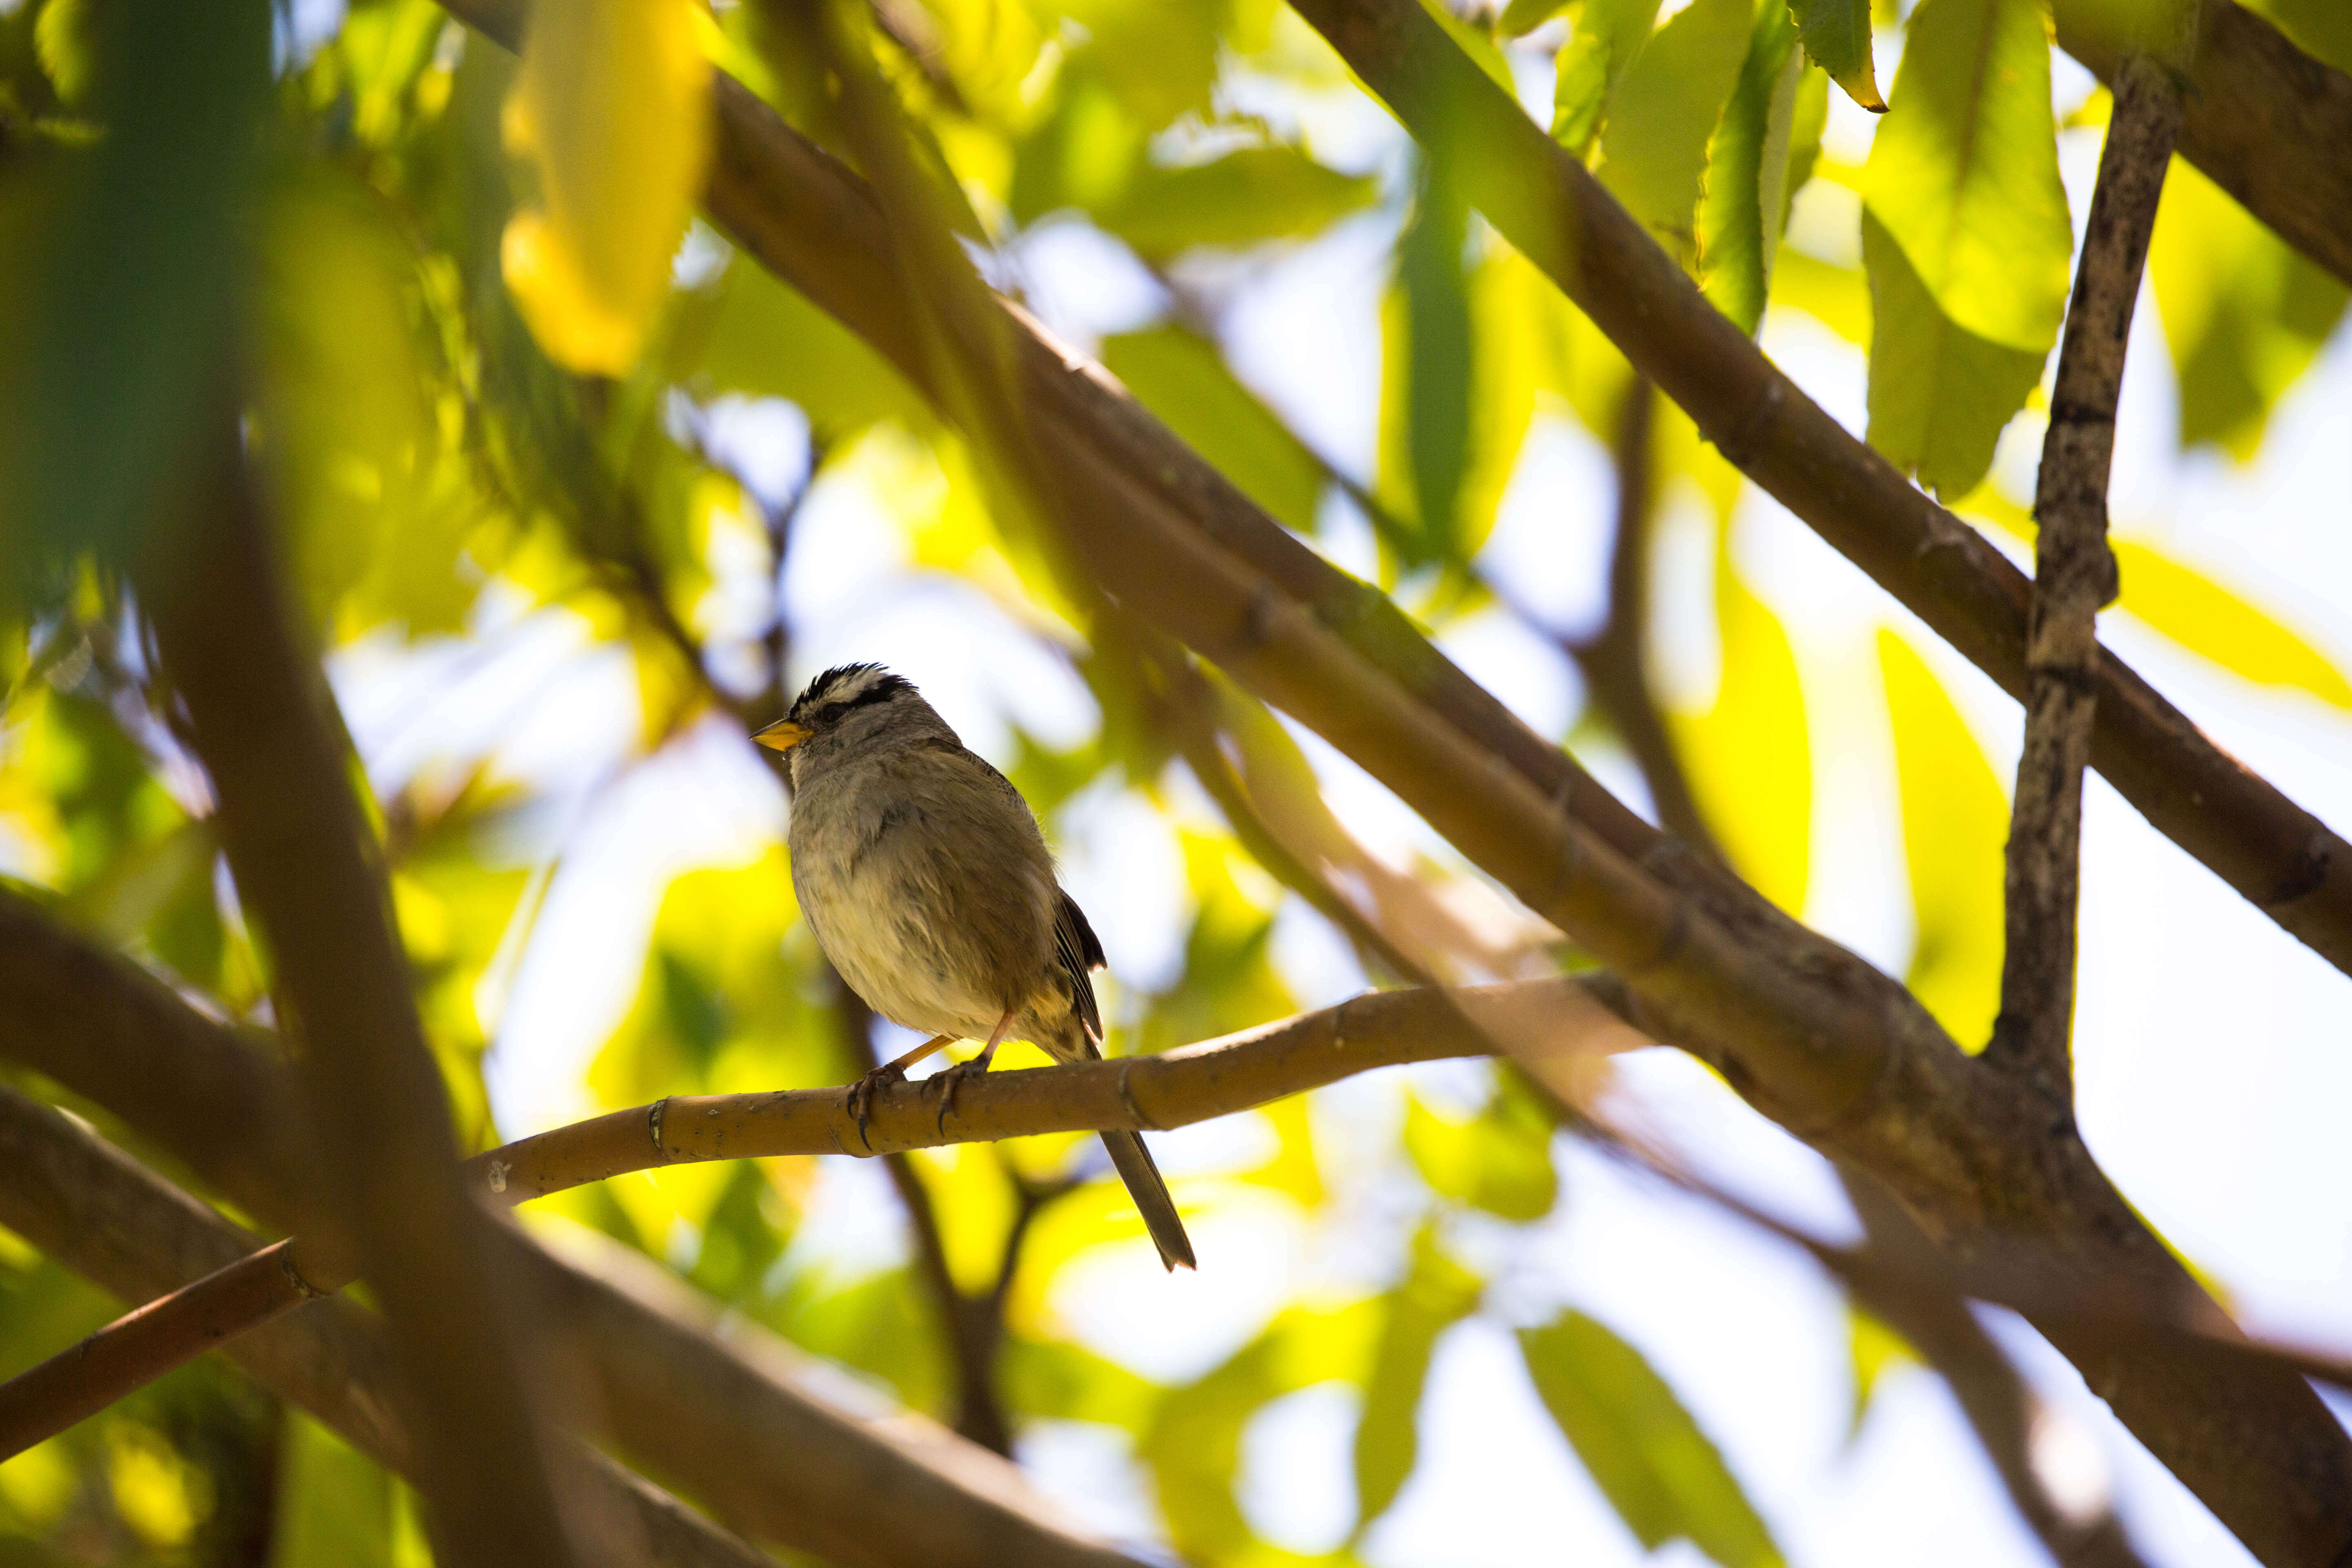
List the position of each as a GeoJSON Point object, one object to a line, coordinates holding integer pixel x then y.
{"type": "Point", "coordinates": [2075, 575]}
{"type": "Point", "coordinates": [307, 866]}
{"type": "Point", "coordinates": [680, 1387]}
{"type": "Point", "coordinates": [94, 1209]}
{"type": "Point", "coordinates": [2262, 119]}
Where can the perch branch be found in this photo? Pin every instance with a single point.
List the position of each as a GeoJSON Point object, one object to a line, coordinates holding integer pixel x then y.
{"type": "Point", "coordinates": [2075, 575]}
{"type": "Point", "coordinates": [680, 1387]}
{"type": "Point", "coordinates": [307, 866]}
{"type": "Point", "coordinates": [1195, 1083]}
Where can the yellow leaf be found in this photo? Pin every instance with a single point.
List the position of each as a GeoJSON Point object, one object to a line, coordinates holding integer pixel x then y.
{"type": "Point", "coordinates": [1750, 762]}
{"type": "Point", "coordinates": [610, 107]}
{"type": "Point", "coordinates": [2205, 617]}
{"type": "Point", "coordinates": [1955, 824]}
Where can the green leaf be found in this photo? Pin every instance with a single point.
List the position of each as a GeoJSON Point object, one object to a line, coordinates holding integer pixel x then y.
{"type": "Point", "coordinates": [1433, 360]}
{"type": "Point", "coordinates": [2206, 618]}
{"type": "Point", "coordinates": [1664, 112]}
{"type": "Point", "coordinates": [1837, 39]}
{"type": "Point", "coordinates": [1963, 173]}
{"type": "Point", "coordinates": [1608, 35]}
{"type": "Point", "coordinates": [759, 337]}
{"type": "Point", "coordinates": [1662, 1474]}
{"type": "Point", "coordinates": [1837, 296]}
{"type": "Point", "coordinates": [1193, 1443]}
{"type": "Point", "coordinates": [1745, 201]}
{"type": "Point", "coordinates": [1436, 1293]}
{"type": "Point", "coordinates": [2243, 313]}
{"type": "Point", "coordinates": [1247, 198]}
{"type": "Point", "coordinates": [1180, 376]}
{"type": "Point", "coordinates": [1499, 1161]}
{"type": "Point", "coordinates": [1964, 236]}
{"type": "Point", "coordinates": [1940, 395]}
{"type": "Point", "coordinates": [1064, 1381]}
{"type": "Point", "coordinates": [2320, 29]}
{"type": "Point", "coordinates": [1955, 827]}
{"type": "Point", "coordinates": [334, 1504]}
{"type": "Point", "coordinates": [132, 276]}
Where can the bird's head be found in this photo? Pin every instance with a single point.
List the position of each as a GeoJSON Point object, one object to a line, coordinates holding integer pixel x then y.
{"type": "Point", "coordinates": [851, 707]}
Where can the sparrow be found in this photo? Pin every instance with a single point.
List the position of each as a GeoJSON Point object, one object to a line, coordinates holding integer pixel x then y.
{"type": "Point", "coordinates": [926, 881]}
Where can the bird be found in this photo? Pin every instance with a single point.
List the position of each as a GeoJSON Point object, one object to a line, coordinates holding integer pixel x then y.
{"type": "Point", "coordinates": [926, 879]}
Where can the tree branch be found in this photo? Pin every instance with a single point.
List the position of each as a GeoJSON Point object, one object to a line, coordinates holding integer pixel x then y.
{"type": "Point", "coordinates": [2262, 119]}
{"type": "Point", "coordinates": [92, 1207]}
{"type": "Point", "coordinates": [678, 1384]}
{"type": "Point", "coordinates": [2075, 575]}
{"type": "Point", "coordinates": [2000, 1405]}
{"type": "Point", "coordinates": [306, 865]}
{"type": "Point", "coordinates": [1193, 1083]}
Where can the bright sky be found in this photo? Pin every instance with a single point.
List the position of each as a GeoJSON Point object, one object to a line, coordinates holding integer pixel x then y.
{"type": "Point", "coordinates": [2215, 1056]}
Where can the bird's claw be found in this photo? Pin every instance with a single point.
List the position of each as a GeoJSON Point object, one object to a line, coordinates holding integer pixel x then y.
{"type": "Point", "coordinates": [862, 1093]}
{"type": "Point", "coordinates": [949, 1081]}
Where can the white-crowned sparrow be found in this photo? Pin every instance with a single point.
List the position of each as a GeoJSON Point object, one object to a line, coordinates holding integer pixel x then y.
{"type": "Point", "coordinates": [929, 885]}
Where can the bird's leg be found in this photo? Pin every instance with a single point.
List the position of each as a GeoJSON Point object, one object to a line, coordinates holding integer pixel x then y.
{"type": "Point", "coordinates": [953, 1077]}
{"type": "Point", "coordinates": [861, 1092]}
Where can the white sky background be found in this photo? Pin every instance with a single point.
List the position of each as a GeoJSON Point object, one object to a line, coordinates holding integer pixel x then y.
{"type": "Point", "coordinates": [2215, 1054]}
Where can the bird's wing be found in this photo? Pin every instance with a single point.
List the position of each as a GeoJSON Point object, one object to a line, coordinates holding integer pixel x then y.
{"type": "Point", "coordinates": [1080, 951]}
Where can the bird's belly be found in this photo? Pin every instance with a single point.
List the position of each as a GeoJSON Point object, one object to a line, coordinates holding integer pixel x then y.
{"type": "Point", "coordinates": [865, 920]}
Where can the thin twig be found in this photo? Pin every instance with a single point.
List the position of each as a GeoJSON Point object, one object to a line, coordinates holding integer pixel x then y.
{"type": "Point", "coordinates": [2075, 575]}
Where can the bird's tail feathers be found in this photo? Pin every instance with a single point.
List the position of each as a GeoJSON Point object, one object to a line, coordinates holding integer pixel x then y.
{"type": "Point", "coordinates": [1133, 1161]}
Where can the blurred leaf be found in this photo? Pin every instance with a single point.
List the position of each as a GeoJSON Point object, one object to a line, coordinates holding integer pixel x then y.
{"type": "Point", "coordinates": [1606, 37]}
{"type": "Point", "coordinates": [347, 435]}
{"type": "Point", "coordinates": [1939, 394]}
{"type": "Point", "coordinates": [1745, 201]}
{"type": "Point", "coordinates": [1955, 827]}
{"type": "Point", "coordinates": [1749, 759]}
{"type": "Point", "coordinates": [2243, 313]}
{"type": "Point", "coordinates": [1499, 1161]}
{"type": "Point", "coordinates": [1064, 1383]}
{"type": "Point", "coordinates": [2206, 618]}
{"type": "Point", "coordinates": [1293, 1170]}
{"type": "Point", "coordinates": [610, 108]}
{"type": "Point", "coordinates": [1837, 297]}
{"type": "Point", "coordinates": [884, 1324]}
{"type": "Point", "coordinates": [1663, 1477]}
{"type": "Point", "coordinates": [1435, 1294]}
{"type": "Point", "coordinates": [334, 1504]}
{"type": "Point", "coordinates": [1247, 198]}
{"type": "Point", "coordinates": [2193, 610]}
{"type": "Point", "coordinates": [1193, 1442]}
{"type": "Point", "coordinates": [1966, 237]}
{"type": "Point", "coordinates": [2320, 29]}
{"type": "Point", "coordinates": [1157, 59]}
{"type": "Point", "coordinates": [973, 1197]}
{"type": "Point", "coordinates": [1082, 155]}
{"type": "Point", "coordinates": [126, 280]}
{"type": "Point", "coordinates": [743, 1234]}
{"type": "Point", "coordinates": [1433, 361]}
{"type": "Point", "coordinates": [1874, 1348]}
{"type": "Point", "coordinates": [1182, 377]}
{"type": "Point", "coordinates": [1837, 39]}
{"type": "Point", "coordinates": [1664, 114]}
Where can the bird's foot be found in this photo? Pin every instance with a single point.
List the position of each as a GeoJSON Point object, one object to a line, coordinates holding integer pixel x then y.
{"type": "Point", "coordinates": [862, 1093]}
{"type": "Point", "coordinates": [950, 1079]}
